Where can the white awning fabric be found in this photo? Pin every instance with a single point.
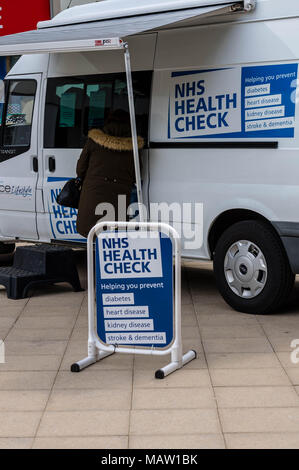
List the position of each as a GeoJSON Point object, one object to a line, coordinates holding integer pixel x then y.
{"type": "Point", "coordinates": [110, 9]}
{"type": "Point", "coordinates": [95, 35]}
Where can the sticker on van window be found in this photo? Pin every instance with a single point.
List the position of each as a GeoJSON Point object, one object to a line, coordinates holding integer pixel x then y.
{"type": "Point", "coordinates": [247, 102]}
{"type": "Point", "coordinates": [67, 110]}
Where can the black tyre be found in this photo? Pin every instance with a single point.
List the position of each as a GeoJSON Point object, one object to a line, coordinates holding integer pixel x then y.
{"type": "Point", "coordinates": [7, 248]}
{"type": "Point", "coordinates": [252, 270]}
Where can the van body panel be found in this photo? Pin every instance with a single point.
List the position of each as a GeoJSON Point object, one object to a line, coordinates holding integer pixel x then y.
{"type": "Point", "coordinates": [229, 44]}
{"type": "Point", "coordinates": [87, 63]}
{"type": "Point", "coordinates": [221, 185]}
{"type": "Point", "coordinates": [27, 64]}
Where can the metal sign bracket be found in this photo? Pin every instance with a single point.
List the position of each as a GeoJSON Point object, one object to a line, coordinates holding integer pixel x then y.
{"type": "Point", "coordinates": [249, 5]}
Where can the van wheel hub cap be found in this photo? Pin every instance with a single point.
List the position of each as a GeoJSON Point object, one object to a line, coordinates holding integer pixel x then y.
{"type": "Point", "coordinates": [245, 269]}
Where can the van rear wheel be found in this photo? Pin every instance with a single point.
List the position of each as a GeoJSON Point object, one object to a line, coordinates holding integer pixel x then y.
{"type": "Point", "coordinates": [7, 248]}
{"type": "Point", "coordinates": [251, 268]}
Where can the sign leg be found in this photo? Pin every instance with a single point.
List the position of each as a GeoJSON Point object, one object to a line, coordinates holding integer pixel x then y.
{"type": "Point", "coordinates": [94, 355]}
{"type": "Point", "coordinates": [89, 360]}
{"type": "Point", "coordinates": [80, 365]}
{"type": "Point", "coordinates": [173, 366]}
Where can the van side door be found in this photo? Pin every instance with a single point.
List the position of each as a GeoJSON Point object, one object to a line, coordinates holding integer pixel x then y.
{"type": "Point", "coordinates": [63, 143]}
{"type": "Point", "coordinates": [75, 105]}
{"type": "Point", "coordinates": [19, 157]}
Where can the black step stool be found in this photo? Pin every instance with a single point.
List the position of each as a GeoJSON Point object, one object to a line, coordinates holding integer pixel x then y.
{"type": "Point", "coordinates": [37, 265]}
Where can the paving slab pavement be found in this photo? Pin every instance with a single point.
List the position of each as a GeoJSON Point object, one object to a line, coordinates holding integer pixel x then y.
{"type": "Point", "coordinates": [241, 392]}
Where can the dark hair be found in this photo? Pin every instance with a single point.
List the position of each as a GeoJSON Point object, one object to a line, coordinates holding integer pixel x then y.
{"type": "Point", "coordinates": [118, 124]}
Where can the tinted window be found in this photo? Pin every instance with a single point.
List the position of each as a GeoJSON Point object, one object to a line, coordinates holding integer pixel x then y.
{"type": "Point", "coordinates": [76, 105]}
{"type": "Point", "coordinates": [19, 112]}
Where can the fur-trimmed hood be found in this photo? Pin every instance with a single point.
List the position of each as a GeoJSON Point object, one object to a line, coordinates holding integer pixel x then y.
{"type": "Point", "coordinates": [118, 144]}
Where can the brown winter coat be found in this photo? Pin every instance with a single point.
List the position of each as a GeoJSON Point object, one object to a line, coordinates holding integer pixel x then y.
{"type": "Point", "coordinates": [106, 166]}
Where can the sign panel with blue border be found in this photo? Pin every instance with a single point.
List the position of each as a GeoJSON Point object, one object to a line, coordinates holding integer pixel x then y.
{"type": "Point", "coordinates": [233, 102]}
{"type": "Point", "coordinates": [134, 289]}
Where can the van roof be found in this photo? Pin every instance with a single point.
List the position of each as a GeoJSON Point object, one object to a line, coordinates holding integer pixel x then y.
{"type": "Point", "coordinates": [109, 9]}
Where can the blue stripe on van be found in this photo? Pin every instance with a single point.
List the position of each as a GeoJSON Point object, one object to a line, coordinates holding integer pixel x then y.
{"type": "Point", "coordinates": [77, 240]}
{"type": "Point", "coordinates": [52, 179]}
{"type": "Point", "coordinates": [51, 221]}
{"type": "Point", "coordinates": [193, 72]}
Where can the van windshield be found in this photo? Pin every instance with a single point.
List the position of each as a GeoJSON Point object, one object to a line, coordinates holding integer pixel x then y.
{"type": "Point", "coordinates": [74, 105]}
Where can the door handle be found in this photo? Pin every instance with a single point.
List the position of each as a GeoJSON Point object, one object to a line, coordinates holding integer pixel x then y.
{"type": "Point", "coordinates": [35, 164]}
{"type": "Point", "coordinates": [52, 164]}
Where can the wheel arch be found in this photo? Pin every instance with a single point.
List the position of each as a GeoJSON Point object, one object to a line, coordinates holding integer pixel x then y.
{"type": "Point", "coordinates": [228, 218]}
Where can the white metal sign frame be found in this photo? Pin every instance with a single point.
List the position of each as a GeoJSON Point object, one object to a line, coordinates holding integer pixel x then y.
{"type": "Point", "coordinates": [96, 349]}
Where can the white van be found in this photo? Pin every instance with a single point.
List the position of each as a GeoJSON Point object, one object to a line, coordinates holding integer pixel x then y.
{"type": "Point", "coordinates": [215, 99]}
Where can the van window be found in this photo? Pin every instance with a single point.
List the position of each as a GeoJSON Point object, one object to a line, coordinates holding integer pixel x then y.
{"type": "Point", "coordinates": [17, 120]}
{"type": "Point", "coordinates": [76, 105]}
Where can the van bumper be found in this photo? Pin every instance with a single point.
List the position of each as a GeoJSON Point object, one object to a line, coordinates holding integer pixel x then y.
{"type": "Point", "coordinates": [289, 234]}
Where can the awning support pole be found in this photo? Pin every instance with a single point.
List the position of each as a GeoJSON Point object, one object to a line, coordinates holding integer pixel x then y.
{"type": "Point", "coordinates": [134, 131]}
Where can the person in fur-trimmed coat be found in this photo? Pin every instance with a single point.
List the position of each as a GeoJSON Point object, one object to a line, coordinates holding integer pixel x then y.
{"type": "Point", "coordinates": [106, 168]}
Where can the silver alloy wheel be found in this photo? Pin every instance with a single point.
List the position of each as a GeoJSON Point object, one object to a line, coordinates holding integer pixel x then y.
{"type": "Point", "coordinates": [245, 269]}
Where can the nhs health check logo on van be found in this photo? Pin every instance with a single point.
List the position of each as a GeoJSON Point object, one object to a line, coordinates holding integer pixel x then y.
{"type": "Point", "coordinates": [239, 102]}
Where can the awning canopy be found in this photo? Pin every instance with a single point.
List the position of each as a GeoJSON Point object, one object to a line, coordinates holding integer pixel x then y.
{"type": "Point", "coordinates": [110, 9]}
{"type": "Point", "coordinates": [52, 36]}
